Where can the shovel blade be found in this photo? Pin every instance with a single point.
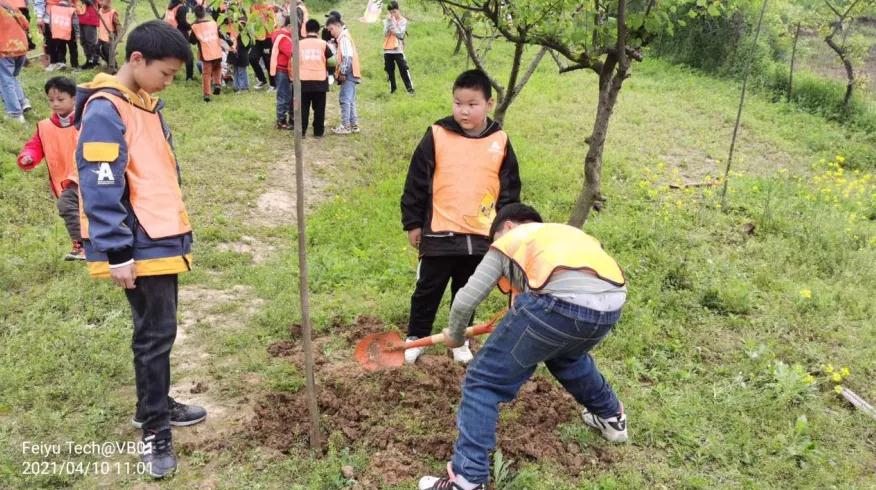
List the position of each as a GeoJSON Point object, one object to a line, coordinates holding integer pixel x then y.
{"type": "Point", "coordinates": [380, 350]}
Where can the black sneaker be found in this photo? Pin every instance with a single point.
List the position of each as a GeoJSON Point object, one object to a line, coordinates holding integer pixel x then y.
{"type": "Point", "coordinates": [434, 483]}
{"type": "Point", "coordinates": [206, 98]}
{"type": "Point", "coordinates": [181, 415]}
{"type": "Point", "coordinates": [217, 90]}
{"type": "Point", "coordinates": [158, 453]}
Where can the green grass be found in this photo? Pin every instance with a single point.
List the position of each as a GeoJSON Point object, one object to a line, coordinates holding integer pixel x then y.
{"type": "Point", "coordinates": [711, 357]}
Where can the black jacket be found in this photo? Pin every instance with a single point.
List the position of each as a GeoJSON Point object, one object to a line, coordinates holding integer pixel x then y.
{"type": "Point", "coordinates": [182, 23]}
{"type": "Point", "coordinates": [416, 201]}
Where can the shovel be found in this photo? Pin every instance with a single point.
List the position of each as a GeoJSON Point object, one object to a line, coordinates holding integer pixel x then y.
{"type": "Point", "coordinates": [387, 349]}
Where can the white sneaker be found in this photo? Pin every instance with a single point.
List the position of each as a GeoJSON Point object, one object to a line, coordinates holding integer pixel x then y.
{"type": "Point", "coordinates": [341, 129]}
{"type": "Point", "coordinates": [614, 429]}
{"type": "Point", "coordinates": [19, 118]}
{"type": "Point", "coordinates": [411, 355]}
{"type": "Point", "coordinates": [462, 353]}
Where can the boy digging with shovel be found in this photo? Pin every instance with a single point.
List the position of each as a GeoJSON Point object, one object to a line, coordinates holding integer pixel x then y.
{"type": "Point", "coordinates": [567, 295]}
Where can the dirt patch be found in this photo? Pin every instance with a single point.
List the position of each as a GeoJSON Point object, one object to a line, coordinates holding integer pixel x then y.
{"type": "Point", "coordinates": [259, 250]}
{"type": "Point", "coordinates": [405, 416]}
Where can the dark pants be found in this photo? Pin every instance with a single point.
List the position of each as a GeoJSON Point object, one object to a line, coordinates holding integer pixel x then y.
{"type": "Point", "coordinates": [433, 275]}
{"type": "Point", "coordinates": [317, 100]}
{"type": "Point", "coordinates": [26, 13]}
{"type": "Point", "coordinates": [190, 63]}
{"type": "Point", "coordinates": [58, 48]}
{"type": "Point", "coordinates": [88, 39]}
{"type": "Point", "coordinates": [153, 307]}
{"type": "Point", "coordinates": [389, 62]}
{"type": "Point", "coordinates": [104, 48]}
{"type": "Point", "coordinates": [68, 210]}
{"type": "Point", "coordinates": [261, 51]}
{"type": "Point", "coordinates": [212, 76]}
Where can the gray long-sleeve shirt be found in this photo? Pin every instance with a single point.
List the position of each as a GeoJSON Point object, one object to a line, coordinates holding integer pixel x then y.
{"type": "Point", "coordinates": [398, 29]}
{"type": "Point", "coordinates": [577, 287]}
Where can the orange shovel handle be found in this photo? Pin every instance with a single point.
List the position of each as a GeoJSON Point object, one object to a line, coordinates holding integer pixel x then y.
{"type": "Point", "coordinates": [438, 338]}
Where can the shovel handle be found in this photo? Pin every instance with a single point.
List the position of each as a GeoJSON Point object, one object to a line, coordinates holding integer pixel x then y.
{"type": "Point", "coordinates": [438, 338]}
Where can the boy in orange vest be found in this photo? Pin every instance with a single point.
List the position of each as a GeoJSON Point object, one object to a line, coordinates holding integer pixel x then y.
{"type": "Point", "coordinates": [55, 140]}
{"type": "Point", "coordinates": [280, 69]}
{"type": "Point", "coordinates": [63, 30]}
{"type": "Point", "coordinates": [205, 33]}
{"type": "Point", "coordinates": [314, 78]}
{"type": "Point", "coordinates": [395, 28]}
{"type": "Point", "coordinates": [348, 75]}
{"type": "Point", "coordinates": [135, 226]}
{"type": "Point", "coordinates": [568, 294]}
{"type": "Point", "coordinates": [463, 170]}
{"type": "Point", "coordinates": [106, 31]}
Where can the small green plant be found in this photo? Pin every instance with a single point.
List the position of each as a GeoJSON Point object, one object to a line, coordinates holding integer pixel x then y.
{"type": "Point", "coordinates": [791, 383]}
{"type": "Point", "coordinates": [502, 473]}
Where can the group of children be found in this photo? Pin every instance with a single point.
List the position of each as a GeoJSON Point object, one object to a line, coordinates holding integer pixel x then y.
{"type": "Point", "coordinates": [118, 177]}
{"type": "Point", "coordinates": [62, 22]}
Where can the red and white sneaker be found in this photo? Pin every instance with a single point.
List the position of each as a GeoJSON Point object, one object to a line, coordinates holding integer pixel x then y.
{"type": "Point", "coordinates": [77, 252]}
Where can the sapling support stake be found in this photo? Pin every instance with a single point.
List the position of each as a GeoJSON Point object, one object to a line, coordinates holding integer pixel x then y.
{"type": "Point", "coordinates": [306, 326]}
{"type": "Point", "coordinates": [741, 103]}
{"type": "Point", "coordinates": [858, 402]}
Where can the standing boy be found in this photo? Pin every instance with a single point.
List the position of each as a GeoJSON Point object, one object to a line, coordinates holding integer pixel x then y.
{"type": "Point", "coordinates": [280, 70]}
{"type": "Point", "coordinates": [394, 29]}
{"type": "Point", "coordinates": [63, 30]}
{"type": "Point", "coordinates": [134, 223]}
{"type": "Point", "coordinates": [205, 33]}
{"type": "Point", "coordinates": [463, 170]}
{"type": "Point", "coordinates": [568, 294]}
{"type": "Point", "coordinates": [177, 16]}
{"type": "Point", "coordinates": [55, 140]}
{"type": "Point", "coordinates": [89, 22]}
{"type": "Point", "coordinates": [109, 27]}
{"type": "Point", "coordinates": [314, 78]}
{"type": "Point", "coordinates": [348, 75]}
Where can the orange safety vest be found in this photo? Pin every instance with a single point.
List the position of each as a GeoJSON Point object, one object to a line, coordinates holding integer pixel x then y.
{"type": "Point", "coordinates": [151, 173]}
{"type": "Point", "coordinates": [390, 41]}
{"type": "Point", "coordinates": [539, 249]}
{"type": "Point", "coordinates": [313, 60]}
{"type": "Point", "coordinates": [59, 147]}
{"type": "Point", "coordinates": [13, 25]}
{"type": "Point", "coordinates": [107, 25]}
{"type": "Point", "coordinates": [466, 184]}
{"type": "Point", "coordinates": [341, 55]}
{"type": "Point", "coordinates": [207, 34]}
{"type": "Point", "coordinates": [61, 19]}
{"type": "Point", "coordinates": [268, 19]}
{"type": "Point", "coordinates": [170, 16]}
{"type": "Point", "coordinates": [275, 54]}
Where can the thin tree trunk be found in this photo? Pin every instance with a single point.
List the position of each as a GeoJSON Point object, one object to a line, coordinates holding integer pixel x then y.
{"type": "Point", "coordinates": [112, 63]}
{"type": "Point", "coordinates": [739, 111]}
{"type": "Point", "coordinates": [306, 326]}
{"type": "Point", "coordinates": [155, 10]}
{"type": "Point", "coordinates": [847, 63]}
{"type": "Point", "coordinates": [793, 59]}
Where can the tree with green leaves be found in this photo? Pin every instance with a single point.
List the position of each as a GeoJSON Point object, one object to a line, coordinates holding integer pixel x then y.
{"type": "Point", "coordinates": [838, 18]}
{"type": "Point", "coordinates": [601, 36]}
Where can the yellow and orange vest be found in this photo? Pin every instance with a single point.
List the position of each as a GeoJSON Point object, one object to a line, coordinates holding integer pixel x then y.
{"type": "Point", "coordinates": [313, 60]}
{"type": "Point", "coordinates": [61, 22]}
{"type": "Point", "coordinates": [151, 173]}
{"type": "Point", "coordinates": [341, 55]}
{"type": "Point", "coordinates": [539, 249]}
{"type": "Point", "coordinates": [13, 28]}
{"type": "Point", "coordinates": [107, 25]}
{"type": "Point", "coordinates": [466, 184]}
{"type": "Point", "coordinates": [59, 148]}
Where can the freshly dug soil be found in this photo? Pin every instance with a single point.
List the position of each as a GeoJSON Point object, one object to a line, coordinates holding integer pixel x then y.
{"type": "Point", "coordinates": [405, 416]}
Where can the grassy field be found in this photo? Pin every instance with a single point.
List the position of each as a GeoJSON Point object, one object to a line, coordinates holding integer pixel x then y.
{"type": "Point", "coordinates": [735, 315]}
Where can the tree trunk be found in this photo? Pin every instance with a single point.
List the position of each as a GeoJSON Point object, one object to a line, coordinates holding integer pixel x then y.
{"type": "Point", "coordinates": [847, 63]}
{"type": "Point", "coordinates": [793, 58]}
{"type": "Point", "coordinates": [155, 10]}
{"type": "Point", "coordinates": [590, 196]}
{"type": "Point", "coordinates": [112, 63]}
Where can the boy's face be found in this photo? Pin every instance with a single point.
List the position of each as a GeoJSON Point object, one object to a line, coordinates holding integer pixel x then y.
{"type": "Point", "coordinates": [60, 102]}
{"type": "Point", "coordinates": [470, 108]}
{"type": "Point", "coordinates": [156, 75]}
{"type": "Point", "coordinates": [334, 29]}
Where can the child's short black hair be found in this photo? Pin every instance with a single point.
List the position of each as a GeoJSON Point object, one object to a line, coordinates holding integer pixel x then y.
{"type": "Point", "coordinates": [333, 20]}
{"type": "Point", "coordinates": [393, 5]}
{"type": "Point", "coordinates": [312, 25]}
{"type": "Point", "coordinates": [516, 212]}
{"type": "Point", "coordinates": [474, 79]}
{"type": "Point", "coordinates": [157, 40]}
{"type": "Point", "coordinates": [200, 11]}
{"type": "Point", "coordinates": [61, 84]}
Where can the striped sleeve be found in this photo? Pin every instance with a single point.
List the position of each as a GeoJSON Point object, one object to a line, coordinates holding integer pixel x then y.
{"type": "Point", "coordinates": [478, 287]}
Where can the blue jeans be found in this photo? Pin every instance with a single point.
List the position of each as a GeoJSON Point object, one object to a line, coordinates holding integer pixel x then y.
{"type": "Point", "coordinates": [347, 99]}
{"type": "Point", "coordinates": [539, 329]}
{"type": "Point", "coordinates": [10, 88]}
{"type": "Point", "coordinates": [284, 96]}
{"type": "Point", "coordinates": [241, 78]}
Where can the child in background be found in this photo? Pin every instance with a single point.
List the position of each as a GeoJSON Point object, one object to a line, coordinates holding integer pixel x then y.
{"type": "Point", "coordinates": [238, 57]}
{"type": "Point", "coordinates": [314, 80]}
{"type": "Point", "coordinates": [89, 22]}
{"type": "Point", "coordinates": [394, 29]}
{"type": "Point", "coordinates": [205, 33]}
{"type": "Point", "coordinates": [106, 31]}
{"type": "Point", "coordinates": [63, 31]}
{"type": "Point", "coordinates": [280, 70]}
{"type": "Point", "coordinates": [347, 74]}
{"type": "Point", "coordinates": [55, 140]}
{"type": "Point", "coordinates": [461, 173]}
{"type": "Point", "coordinates": [13, 54]}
